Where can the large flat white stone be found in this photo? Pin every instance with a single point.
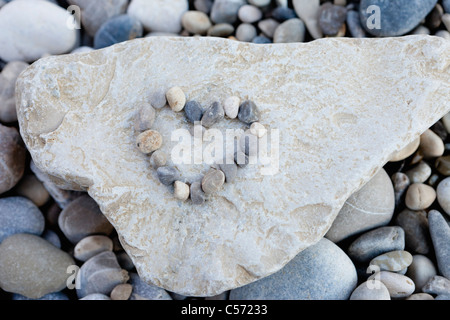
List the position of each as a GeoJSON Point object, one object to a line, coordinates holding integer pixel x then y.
{"type": "Point", "coordinates": [342, 106]}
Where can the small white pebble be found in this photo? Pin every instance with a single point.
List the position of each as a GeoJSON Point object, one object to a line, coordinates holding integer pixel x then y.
{"type": "Point", "coordinates": [176, 99]}
{"type": "Point", "coordinates": [257, 129]}
{"type": "Point", "coordinates": [181, 190]}
{"type": "Point", "coordinates": [231, 107]}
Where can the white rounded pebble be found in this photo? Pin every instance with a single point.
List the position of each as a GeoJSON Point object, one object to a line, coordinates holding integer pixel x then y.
{"type": "Point", "coordinates": [431, 145]}
{"type": "Point", "coordinates": [231, 107]}
{"type": "Point", "coordinates": [420, 173]}
{"type": "Point", "coordinates": [398, 285]}
{"type": "Point", "coordinates": [421, 270]}
{"type": "Point", "coordinates": [258, 129]}
{"type": "Point", "coordinates": [149, 141]}
{"type": "Point", "coordinates": [249, 14]}
{"type": "Point", "coordinates": [406, 151]}
{"type": "Point", "coordinates": [395, 261]}
{"type": "Point", "coordinates": [443, 195]}
{"type": "Point", "coordinates": [181, 190]}
{"type": "Point", "coordinates": [31, 29]}
{"type": "Point", "coordinates": [196, 22]}
{"type": "Point", "coordinates": [420, 296]}
{"type": "Point", "coordinates": [371, 290]}
{"type": "Point", "coordinates": [176, 99]}
{"type": "Point", "coordinates": [443, 34]}
{"type": "Point", "coordinates": [419, 196]}
{"type": "Point", "coordinates": [246, 32]}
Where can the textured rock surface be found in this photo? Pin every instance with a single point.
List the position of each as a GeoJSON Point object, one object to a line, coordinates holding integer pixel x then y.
{"type": "Point", "coordinates": [68, 117]}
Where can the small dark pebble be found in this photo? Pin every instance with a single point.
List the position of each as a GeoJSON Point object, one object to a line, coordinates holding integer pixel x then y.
{"type": "Point", "coordinates": [261, 40]}
{"type": "Point", "coordinates": [248, 112]}
{"type": "Point", "coordinates": [213, 114]}
{"type": "Point", "coordinates": [440, 130]}
{"type": "Point", "coordinates": [193, 111]}
{"type": "Point", "coordinates": [117, 29]}
{"type": "Point", "coordinates": [197, 195]}
{"type": "Point", "coordinates": [442, 165]}
{"type": "Point", "coordinates": [331, 18]}
{"type": "Point", "coordinates": [167, 175]}
{"type": "Point", "coordinates": [241, 159]}
{"type": "Point", "coordinates": [283, 13]}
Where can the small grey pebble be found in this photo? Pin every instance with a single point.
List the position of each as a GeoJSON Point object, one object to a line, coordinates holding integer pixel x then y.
{"type": "Point", "coordinates": [241, 159]}
{"type": "Point", "coordinates": [354, 24]}
{"type": "Point", "coordinates": [203, 5]}
{"type": "Point", "coordinates": [283, 13]}
{"type": "Point", "coordinates": [246, 32]}
{"type": "Point", "coordinates": [261, 40]}
{"type": "Point", "coordinates": [158, 98]}
{"type": "Point", "coordinates": [213, 114]}
{"type": "Point", "coordinates": [331, 18]}
{"type": "Point", "coordinates": [146, 118]}
{"type": "Point", "coordinates": [415, 225]}
{"type": "Point", "coordinates": [248, 112]}
{"type": "Point", "coordinates": [230, 171]}
{"type": "Point", "coordinates": [421, 270]}
{"type": "Point", "coordinates": [197, 195]}
{"type": "Point", "coordinates": [193, 111]}
{"type": "Point", "coordinates": [158, 159]}
{"type": "Point", "coordinates": [52, 237]}
{"type": "Point", "coordinates": [437, 285]}
{"type": "Point", "coordinates": [167, 175]}
{"type": "Point", "coordinates": [96, 296]}
{"type": "Point", "coordinates": [221, 30]}
{"type": "Point", "coordinates": [401, 183]}
{"type": "Point", "coordinates": [213, 181]}
{"type": "Point", "coordinates": [268, 27]}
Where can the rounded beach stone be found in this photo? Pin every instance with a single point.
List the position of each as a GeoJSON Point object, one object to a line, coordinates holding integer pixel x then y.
{"type": "Point", "coordinates": [167, 175]}
{"type": "Point", "coordinates": [145, 291]}
{"type": "Point", "coordinates": [401, 183]}
{"type": "Point", "coordinates": [221, 30]}
{"type": "Point", "coordinates": [440, 235]}
{"type": "Point", "coordinates": [176, 99]}
{"type": "Point", "coordinates": [442, 165]}
{"type": "Point", "coordinates": [118, 29]}
{"type": "Point", "coordinates": [375, 242]}
{"type": "Point", "coordinates": [20, 39]}
{"type": "Point", "coordinates": [420, 296]}
{"type": "Point", "coordinates": [226, 11]}
{"type": "Point", "coordinates": [122, 292]}
{"type": "Point", "coordinates": [415, 225]}
{"type": "Point", "coordinates": [371, 290]}
{"type": "Point", "coordinates": [231, 106]}
{"type": "Point", "coordinates": [146, 118]}
{"type": "Point", "coordinates": [437, 285]}
{"type": "Point", "coordinates": [49, 297]}
{"type": "Point", "coordinates": [419, 196]}
{"type": "Point", "coordinates": [420, 173]}
{"type": "Point", "coordinates": [213, 181]}
{"type": "Point", "coordinates": [354, 25]}
{"type": "Point", "coordinates": [331, 18]}
{"type": "Point", "coordinates": [30, 187]}
{"type": "Point", "coordinates": [283, 13]}
{"type": "Point", "coordinates": [52, 237]}
{"type": "Point", "coordinates": [292, 30]}
{"type": "Point", "coordinates": [158, 159]}
{"type": "Point", "coordinates": [159, 15]}
{"type": "Point", "coordinates": [12, 158]}
{"type": "Point", "coordinates": [193, 111]}
{"type": "Point", "coordinates": [443, 195]}
{"type": "Point", "coordinates": [181, 190]}
{"type": "Point", "coordinates": [91, 246]}
{"type": "Point", "coordinates": [261, 40]}
{"type": "Point", "coordinates": [246, 32]}
{"type": "Point", "coordinates": [230, 171]}
{"type": "Point", "coordinates": [259, 3]}
{"type": "Point", "coordinates": [420, 271]}
{"type": "Point", "coordinates": [257, 129]}
{"type": "Point", "coordinates": [431, 145]}
{"type": "Point", "coordinates": [100, 274]}
{"type": "Point", "coordinates": [196, 22]}
{"type": "Point", "coordinates": [96, 296]}
{"type": "Point", "coordinates": [19, 215]}
{"type": "Point", "coordinates": [370, 207]}
{"type": "Point", "coordinates": [81, 218]}
{"type": "Point", "coordinates": [249, 14]}
{"type": "Point", "coordinates": [198, 197]}
{"type": "Point", "coordinates": [31, 266]}
{"type": "Point", "coordinates": [268, 27]}
{"type": "Point", "coordinates": [213, 114]}
{"type": "Point", "coordinates": [158, 98]}
{"type": "Point", "coordinates": [406, 151]}
{"type": "Point", "coordinates": [398, 285]}
{"type": "Point", "coordinates": [149, 141]}
{"type": "Point", "coordinates": [392, 261]}
{"type": "Point", "coordinates": [203, 5]}
{"type": "Point", "coordinates": [321, 272]}
{"type": "Point", "coordinates": [8, 79]}
{"type": "Point", "coordinates": [248, 112]}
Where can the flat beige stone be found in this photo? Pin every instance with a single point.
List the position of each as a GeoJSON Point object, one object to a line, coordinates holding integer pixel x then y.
{"type": "Point", "coordinates": [342, 106]}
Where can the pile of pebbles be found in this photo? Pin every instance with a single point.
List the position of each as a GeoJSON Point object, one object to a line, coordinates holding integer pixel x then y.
{"type": "Point", "coordinates": [405, 255]}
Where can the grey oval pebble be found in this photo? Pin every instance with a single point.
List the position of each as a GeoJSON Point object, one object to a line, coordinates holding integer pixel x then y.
{"type": "Point", "coordinates": [440, 235]}
{"type": "Point", "coordinates": [91, 246]}
{"type": "Point", "coordinates": [437, 285]}
{"type": "Point", "coordinates": [52, 237]}
{"type": "Point", "coordinates": [158, 159]}
{"type": "Point", "coordinates": [213, 181]}
{"type": "Point", "coordinates": [371, 290]}
{"type": "Point", "coordinates": [292, 30]}
{"type": "Point", "coordinates": [398, 285]}
{"type": "Point", "coordinates": [213, 114]}
{"type": "Point", "coordinates": [421, 270]}
{"type": "Point", "coordinates": [420, 173]}
{"type": "Point", "coordinates": [193, 111]}
{"type": "Point", "coordinates": [96, 296]}
{"type": "Point", "coordinates": [415, 225]}
{"type": "Point", "coordinates": [146, 118]}
{"type": "Point", "coordinates": [420, 296]}
{"type": "Point", "coordinates": [167, 175]}
{"type": "Point", "coordinates": [19, 215]}
{"type": "Point", "coordinates": [197, 195]}
{"type": "Point", "coordinates": [392, 261]}
{"type": "Point", "coordinates": [30, 187]}
{"type": "Point", "coordinates": [246, 32]}
{"type": "Point", "coordinates": [145, 291]}
{"type": "Point", "coordinates": [12, 158]}
{"type": "Point", "coordinates": [321, 272]}
{"type": "Point", "coordinates": [375, 242]}
{"type": "Point", "coordinates": [248, 112]}
{"type": "Point", "coordinates": [221, 30]}
{"type": "Point", "coordinates": [158, 98]}
{"type": "Point", "coordinates": [230, 171]}
{"type": "Point", "coordinates": [249, 14]}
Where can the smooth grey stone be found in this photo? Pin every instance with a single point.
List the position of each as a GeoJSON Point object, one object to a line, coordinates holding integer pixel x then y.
{"type": "Point", "coordinates": [221, 30]}
{"type": "Point", "coordinates": [100, 274]}
{"type": "Point", "coordinates": [437, 285]}
{"type": "Point", "coordinates": [282, 14]}
{"type": "Point", "coordinates": [146, 118]}
{"type": "Point", "coordinates": [354, 25]}
{"type": "Point", "coordinates": [268, 27]}
{"type": "Point", "coordinates": [49, 296]}
{"type": "Point", "coordinates": [421, 270]}
{"type": "Point", "coordinates": [395, 261]}
{"type": "Point", "coordinates": [203, 5]}
{"type": "Point", "coordinates": [96, 296]}
{"type": "Point", "coordinates": [292, 30]}
{"type": "Point", "coordinates": [241, 159]}
{"type": "Point", "coordinates": [118, 29]}
{"type": "Point", "coordinates": [371, 290]}
{"type": "Point", "coordinates": [52, 237]}
{"type": "Point", "coordinates": [226, 11]}
{"type": "Point", "coordinates": [213, 114]}
{"type": "Point", "coordinates": [246, 32]}
{"type": "Point", "coordinates": [145, 291]}
{"type": "Point", "coordinates": [396, 17]}
{"type": "Point", "coordinates": [248, 112]}
{"type": "Point", "coordinates": [445, 297]}
{"type": "Point", "coordinates": [230, 171]}
{"type": "Point", "coordinates": [415, 225]}
{"type": "Point", "coordinates": [446, 5]}
{"type": "Point", "coordinates": [440, 235]}
{"type": "Point", "coordinates": [81, 218]}
{"type": "Point", "coordinates": [261, 40]}
{"type": "Point", "coordinates": [193, 111]}
{"type": "Point", "coordinates": [420, 173]}
{"type": "Point", "coordinates": [398, 285]}
{"type": "Point", "coordinates": [12, 158]}
{"type": "Point", "coordinates": [125, 261]}
{"type": "Point", "coordinates": [20, 215]}
{"type": "Point", "coordinates": [401, 183]}
{"type": "Point", "coordinates": [158, 99]}
{"type": "Point", "coordinates": [167, 175]}
{"type": "Point", "coordinates": [331, 18]}
{"type": "Point", "coordinates": [320, 272]}
{"type": "Point", "coordinates": [420, 296]}
{"type": "Point", "coordinates": [198, 197]}
{"type": "Point", "coordinates": [376, 242]}
{"type": "Point", "coordinates": [213, 181]}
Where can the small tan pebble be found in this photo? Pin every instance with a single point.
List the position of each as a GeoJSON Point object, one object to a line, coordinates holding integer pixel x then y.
{"type": "Point", "coordinates": [431, 145]}
{"type": "Point", "coordinates": [213, 181]}
{"type": "Point", "coordinates": [419, 196]}
{"type": "Point", "coordinates": [146, 118]}
{"type": "Point", "coordinates": [122, 292]}
{"type": "Point", "coordinates": [258, 129]}
{"type": "Point", "coordinates": [231, 107]}
{"type": "Point", "coordinates": [149, 141]}
{"type": "Point", "coordinates": [91, 246]}
{"type": "Point", "coordinates": [181, 190]}
{"type": "Point", "coordinates": [406, 151]}
{"type": "Point", "coordinates": [158, 159]}
{"type": "Point", "coordinates": [176, 99]}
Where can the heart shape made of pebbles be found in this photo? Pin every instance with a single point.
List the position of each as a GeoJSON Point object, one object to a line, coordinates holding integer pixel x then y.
{"type": "Point", "coordinates": [342, 108]}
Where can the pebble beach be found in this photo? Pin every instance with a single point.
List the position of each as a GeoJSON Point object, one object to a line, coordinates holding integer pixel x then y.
{"type": "Point", "coordinates": [390, 241]}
